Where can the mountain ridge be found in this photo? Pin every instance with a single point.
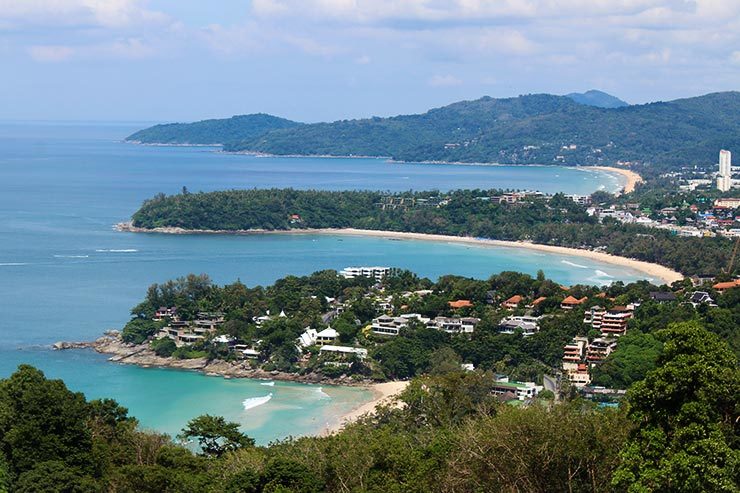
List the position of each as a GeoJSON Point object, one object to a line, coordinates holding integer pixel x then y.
{"type": "Point", "coordinates": [527, 129]}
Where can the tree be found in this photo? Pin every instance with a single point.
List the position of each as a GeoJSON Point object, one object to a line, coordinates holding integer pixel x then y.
{"type": "Point", "coordinates": [686, 411]}
{"type": "Point", "coordinates": [41, 420]}
{"type": "Point", "coordinates": [215, 435]}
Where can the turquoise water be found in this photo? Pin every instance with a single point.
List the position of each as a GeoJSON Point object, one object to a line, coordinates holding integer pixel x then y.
{"type": "Point", "coordinates": [66, 275]}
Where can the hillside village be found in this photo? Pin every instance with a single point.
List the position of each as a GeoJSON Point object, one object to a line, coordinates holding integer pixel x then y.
{"type": "Point", "coordinates": [375, 323]}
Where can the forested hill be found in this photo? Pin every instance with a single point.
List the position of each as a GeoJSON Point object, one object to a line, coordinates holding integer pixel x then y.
{"type": "Point", "coordinates": [537, 128]}
{"type": "Point", "coordinates": [596, 98]}
{"type": "Point", "coordinates": [232, 129]}
{"type": "Point", "coordinates": [558, 221]}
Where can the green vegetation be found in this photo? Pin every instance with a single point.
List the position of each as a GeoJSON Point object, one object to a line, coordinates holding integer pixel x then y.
{"type": "Point", "coordinates": [211, 132]}
{"type": "Point", "coordinates": [314, 302]}
{"type": "Point", "coordinates": [526, 129]}
{"type": "Point", "coordinates": [449, 434]}
{"type": "Point", "coordinates": [557, 221]}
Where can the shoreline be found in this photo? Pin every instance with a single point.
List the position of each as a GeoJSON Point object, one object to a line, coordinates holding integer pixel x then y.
{"type": "Point", "coordinates": [632, 177]}
{"type": "Point", "coordinates": [383, 393]}
{"type": "Point", "coordinates": [142, 356]}
{"type": "Point", "coordinates": [662, 273]}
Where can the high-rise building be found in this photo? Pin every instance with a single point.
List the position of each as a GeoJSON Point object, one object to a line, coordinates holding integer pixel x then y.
{"type": "Point", "coordinates": [724, 178]}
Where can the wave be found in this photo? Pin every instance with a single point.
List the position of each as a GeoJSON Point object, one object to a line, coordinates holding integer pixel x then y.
{"type": "Point", "coordinates": [253, 402]}
{"type": "Point", "coordinates": [269, 384]}
{"type": "Point", "coordinates": [10, 264]}
{"type": "Point", "coordinates": [71, 256]}
{"type": "Point", "coordinates": [118, 250]}
{"type": "Point", "coordinates": [573, 264]}
{"type": "Point", "coordinates": [601, 273]}
{"type": "Point", "coordinates": [322, 394]}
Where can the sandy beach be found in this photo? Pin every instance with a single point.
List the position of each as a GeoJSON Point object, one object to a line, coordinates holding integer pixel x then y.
{"type": "Point", "coordinates": [653, 271]}
{"type": "Point", "coordinates": [382, 393]}
{"type": "Point", "coordinates": [632, 178]}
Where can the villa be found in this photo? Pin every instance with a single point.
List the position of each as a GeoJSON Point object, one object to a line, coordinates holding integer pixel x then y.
{"type": "Point", "coordinates": [454, 325]}
{"type": "Point", "coordinates": [571, 302]}
{"type": "Point", "coordinates": [522, 390]}
{"type": "Point", "coordinates": [390, 326]}
{"type": "Point", "coordinates": [529, 325]}
{"type": "Point", "coordinates": [345, 351]}
{"type": "Point", "coordinates": [513, 302]}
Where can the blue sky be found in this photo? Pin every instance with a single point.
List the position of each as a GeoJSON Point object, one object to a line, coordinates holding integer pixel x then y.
{"type": "Point", "coordinates": [317, 60]}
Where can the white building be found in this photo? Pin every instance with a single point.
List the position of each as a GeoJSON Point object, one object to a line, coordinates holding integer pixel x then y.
{"type": "Point", "coordinates": [454, 325]}
{"type": "Point", "coordinates": [361, 353]}
{"type": "Point", "coordinates": [724, 178]}
{"type": "Point", "coordinates": [528, 324]}
{"type": "Point", "coordinates": [376, 273]}
{"type": "Point", "coordinates": [386, 325]}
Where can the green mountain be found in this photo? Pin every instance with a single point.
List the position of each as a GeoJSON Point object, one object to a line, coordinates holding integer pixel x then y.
{"type": "Point", "coordinates": [530, 129]}
{"type": "Point", "coordinates": [596, 98]}
{"type": "Point", "coordinates": [231, 129]}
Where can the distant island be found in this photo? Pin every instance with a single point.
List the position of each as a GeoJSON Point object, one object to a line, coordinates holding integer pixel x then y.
{"type": "Point", "coordinates": [490, 214]}
{"type": "Point", "coordinates": [592, 128]}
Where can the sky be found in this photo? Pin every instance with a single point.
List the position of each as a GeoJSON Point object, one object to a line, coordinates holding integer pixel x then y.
{"type": "Point", "coordinates": [323, 60]}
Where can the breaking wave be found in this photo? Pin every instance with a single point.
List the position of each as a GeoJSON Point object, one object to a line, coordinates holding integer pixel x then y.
{"type": "Point", "coordinates": [253, 402]}
{"type": "Point", "coordinates": [322, 394]}
{"type": "Point", "coordinates": [601, 273]}
{"type": "Point", "coordinates": [71, 256]}
{"type": "Point", "coordinates": [269, 384]}
{"type": "Point", "coordinates": [118, 250]}
{"type": "Point", "coordinates": [9, 264]}
{"type": "Point", "coordinates": [573, 264]}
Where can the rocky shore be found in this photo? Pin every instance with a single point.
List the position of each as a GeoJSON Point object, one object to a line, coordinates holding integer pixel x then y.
{"type": "Point", "coordinates": [142, 355]}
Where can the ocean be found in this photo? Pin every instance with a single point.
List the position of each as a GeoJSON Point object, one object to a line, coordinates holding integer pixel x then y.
{"type": "Point", "coordinates": [65, 274]}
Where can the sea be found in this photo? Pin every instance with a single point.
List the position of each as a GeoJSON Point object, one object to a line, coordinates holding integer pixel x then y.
{"type": "Point", "coordinates": [66, 274]}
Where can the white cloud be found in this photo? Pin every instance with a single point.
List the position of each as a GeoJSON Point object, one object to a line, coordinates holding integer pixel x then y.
{"type": "Point", "coordinates": [444, 81]}
{"type": "Point", "coordinates": [50, 53]}
{"type": "Point", "coordinates": [105, 13]}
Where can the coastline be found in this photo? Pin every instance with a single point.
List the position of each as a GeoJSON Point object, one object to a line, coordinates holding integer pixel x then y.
{"type": "Point", "coordinates": [632, 178]}
{"type": "Point", "coordinates": [655, 271]}
{"type": "Point", "coordinates": [141, 355]}
{"type": "Point", "coordinates": [383, 393]}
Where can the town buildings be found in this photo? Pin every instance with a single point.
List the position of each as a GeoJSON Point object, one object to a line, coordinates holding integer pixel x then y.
{"type": "Point", "coordinates": [377, 273]}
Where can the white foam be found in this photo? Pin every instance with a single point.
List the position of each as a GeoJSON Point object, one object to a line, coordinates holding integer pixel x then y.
{"type": "Point", "coordinates": [119, 250]}
{"type": "Point", "coordinates": [71, 256]}
{"type": "Point", "coordinates": [253, 402]}
{"type": "Point", "coordinates": [10, 264]}
{"type": "Point", "coordinates": [573, 264]}
{"type": "Point", "coordinates": [601, 273]}
{"type": "Point", "coordinates": [322, 394]}
{"type": "Point", "coordinates": [269, 384]}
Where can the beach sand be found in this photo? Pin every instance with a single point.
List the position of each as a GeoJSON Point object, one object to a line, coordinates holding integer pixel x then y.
{"type": "Point", "coordinates": [382, 394]}
{"type": "Point", "coordinates": [632, 178]}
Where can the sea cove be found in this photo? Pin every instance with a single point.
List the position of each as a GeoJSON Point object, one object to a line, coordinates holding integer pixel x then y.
{"type": "Point", "coordinates": [66, 274]}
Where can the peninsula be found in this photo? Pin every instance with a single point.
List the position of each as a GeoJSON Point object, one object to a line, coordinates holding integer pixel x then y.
{"type": "Point", "coordinates": [588, 225]}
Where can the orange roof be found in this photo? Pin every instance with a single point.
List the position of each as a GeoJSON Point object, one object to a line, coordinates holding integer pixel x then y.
{"type": "Point", "coordinates": [539, 300]}
{"type": "Point", "coordinates": [570, 300]}
{"type": "Point", "coordinates": [727, 285]}
{"type": "Point", "coordinates": [514, 300]}
{"type": "Point", "coordinates": [601, 295]}
{"type": "Point", "coordinates": [460, 304]}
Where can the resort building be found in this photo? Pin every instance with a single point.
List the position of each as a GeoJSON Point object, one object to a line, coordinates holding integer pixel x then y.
{"type": "Point", "coordinates": [574, 366]}
{"type": "Point", "coordinates": [386, 325]}
{"type": "Point", "coordinates": [700, 298]}
{"type": "Point", "coordinates": [377, 273]}
{"type": "Point", "coordinates": [454, 325]}
{"type": "Point", "coordinates": [614, 322]}
{"type": "Point", "coordinates": [522, 390]}
{"type": "Point", "coordinates": [571, 302]}
{"type": "Point", "coordinates": [662, 296]}
{"type": "Point", "coordinates": [460, 304]}
{"type": "Point", "coordinates": [183, 332]}
{"type": "Point", "coordinates": [307, 338]}
{"type": "Point", "coordinates": [529, 325]}
{"type": "Point", "coordinates": [599, 349]}
{"type": "Point", "coordinates": [164, 312]}
{"type": "Point", "coordinates": [326, 336]}
{"type": "Point", "coordinates": [721, 287]}
{"type": "Point", "coordinates": [345, 351]}
{"type": "Point", "coordinates": [513, 302]}
{"type": "Point", "coordinates": [594, 316]}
